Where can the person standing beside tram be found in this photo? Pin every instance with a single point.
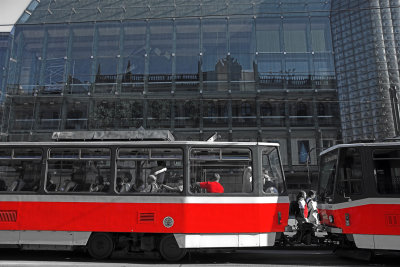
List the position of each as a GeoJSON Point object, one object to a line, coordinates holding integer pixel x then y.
{"type": "Point", "coordinates": [312, 208]}
{"type": "Point", "coordinates": [213, 186]}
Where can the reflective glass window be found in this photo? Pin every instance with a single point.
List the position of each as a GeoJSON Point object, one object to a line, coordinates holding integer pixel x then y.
{"type": "Point", "coordinates": [214, 49]}
{"type": "Point", "coordinates": [57, 41]}
{"type": "Point", "coordinates": [130, 113]}
{"type": "Point", "coordinates": [49, 114]}
{"type": "Point", "coordinates": [134, 51]}
{"type": "Point", "coordinates": [295, 35]}
{"type": "Point", "coordinates": [108, 39]}
{"type": "Point", "coordinates": [187, 54]}
{"type": "Point", "coordinates": [268, 35]}
{"type": "Point", "coordinates": [160, 47]}
{"type": "Point", "coordinates": [187, 114]}
{"type": "Point", "coordinates": [22, 116]}
{"type": "Point", "coordinates": [159, 114]}
{"type": "Point", "coordinates": [321, 35]}
{"type": "Point", "coordinates": [215, 113]}
{"type": "Point", "coordinates": [77, 115]}
{"type": "Point", "coordinates": [81, 62]}
{"type": "Point", "coordinates": [29, 39]}
{"type": "Point", "coordinates": [243, 113]}
{"type": "Point", "coordinates": [103, 115]}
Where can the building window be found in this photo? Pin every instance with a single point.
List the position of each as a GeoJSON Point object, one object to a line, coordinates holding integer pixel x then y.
{"type": "Point", "coordinates": [303, 148]}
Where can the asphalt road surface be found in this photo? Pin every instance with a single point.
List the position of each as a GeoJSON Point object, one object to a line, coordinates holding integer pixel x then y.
{"type": "Point", "coordinates": [269, 257]}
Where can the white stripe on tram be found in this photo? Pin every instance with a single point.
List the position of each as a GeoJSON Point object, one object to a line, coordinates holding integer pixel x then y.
{"type": "Point", "coordinates": [360, 202]}
{"type": "Point", "coordinates": [146, 199]}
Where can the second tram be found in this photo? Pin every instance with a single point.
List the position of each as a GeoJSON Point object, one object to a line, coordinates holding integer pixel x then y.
{"type": "Point", "coordinates": [98, 195]}
{"type": "Point", "coordinates": [359, 195]}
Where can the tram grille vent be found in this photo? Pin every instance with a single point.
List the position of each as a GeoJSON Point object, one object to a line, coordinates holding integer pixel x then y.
{"type": "Point", "coordinates": [146, 217]}
{"type": "Point", "coordinates": [8, 216]}
{"type": "Point", "coordinates": [393, 220]}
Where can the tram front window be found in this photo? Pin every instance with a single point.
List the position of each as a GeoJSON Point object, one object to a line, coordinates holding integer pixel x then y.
{"type": "Point", "coordinates": [232, 165]}
{"type": "Point", "coordinates": [327, 176]}
{"type": "Point", "coordinates": [149, 170]}
{"type": "Point", "coordinates": [349, 181]}
{"type": "Point", "coordinates": [272, 172]}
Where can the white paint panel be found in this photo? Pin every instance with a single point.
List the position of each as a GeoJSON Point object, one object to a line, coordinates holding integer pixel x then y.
{"type": "Point", "coordinates": [225, 240]}
{"type": "Point", "coordinates": [364, 241]}
{"type": "Point", "coordinates": [9, 237]}
{"type": "Point", "coordinates": [137, 198]}
{"type": "Point", "coordinates": [361, 202]}
{"type": "Point", "coordinates": [391, 242]}
{"type": "Point", "coordinates": [46, 237]}
{"type": "Point", "coordinates": [249, 240]}
{"type": "Point", "coordinates": [81, 238]}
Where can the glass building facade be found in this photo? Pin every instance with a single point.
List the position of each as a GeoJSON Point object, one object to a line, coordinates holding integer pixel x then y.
{"type": "Point", "coordinates": [248, 69]}
{"type": "Point", "coordinates": [366, 37]}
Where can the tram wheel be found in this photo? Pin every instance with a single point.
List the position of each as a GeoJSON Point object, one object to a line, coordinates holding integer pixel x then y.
{"type": "Point", "coordinates": [100, 245]}
{"type": "Point", "coordinates": [170, 250]}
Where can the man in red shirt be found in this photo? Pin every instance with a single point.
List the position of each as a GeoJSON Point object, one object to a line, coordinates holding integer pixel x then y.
{"type": "Point", "coordinates": [213, 186]}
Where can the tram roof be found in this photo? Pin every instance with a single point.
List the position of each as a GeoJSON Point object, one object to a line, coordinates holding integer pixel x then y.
{"type": "Point", "coordinates": [140, 143]}
{"type": "Point", "coordinates": [377, 144]}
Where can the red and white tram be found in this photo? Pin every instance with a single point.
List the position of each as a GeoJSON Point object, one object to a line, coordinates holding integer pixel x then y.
{"type": "Point", "coordinates": [359, 195]}
{"type": "Point", "coordinates": [98, 195]}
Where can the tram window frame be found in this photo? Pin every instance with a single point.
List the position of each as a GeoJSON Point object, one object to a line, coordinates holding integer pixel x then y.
{"type": "Point", "coordinates": [19, 161]}
{"type": "Point", "coordinates": [273, 179]}
{"type": "Point", "coordinates": [348, 172]}
{"type": "Point", "coordinates": [329, 187]}
{"type": "Point", "coordinates": [385, 186]}
{"type": "Point", "coordinates": [167, 169]}
{"type": "Point", "coordinates": [195, 190]}
{"type": "Point", "coordinates": [78, 162]}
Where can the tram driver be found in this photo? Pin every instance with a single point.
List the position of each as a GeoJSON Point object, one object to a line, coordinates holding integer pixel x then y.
{"type": "Point", "coordinates": [269, 186]}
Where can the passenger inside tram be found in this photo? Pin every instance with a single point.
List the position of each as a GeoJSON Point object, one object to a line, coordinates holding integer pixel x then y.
{"type": "Point", "coordinates": [178, 187]}
{"type": "Point", "coordinates": [98, 185]}
{"type": "Point", "coordinates": [152, 186]}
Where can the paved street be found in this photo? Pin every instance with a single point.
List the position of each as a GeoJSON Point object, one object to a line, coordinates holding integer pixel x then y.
{"type": "Point", "coordinates": [293, 257]}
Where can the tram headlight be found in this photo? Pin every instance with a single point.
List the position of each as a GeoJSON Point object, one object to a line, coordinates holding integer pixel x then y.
{"type": "Point", "coordinates": [331, 220]}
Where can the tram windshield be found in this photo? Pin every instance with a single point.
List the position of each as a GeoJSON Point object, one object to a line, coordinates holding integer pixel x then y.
{"type": "Point", "coordinates": [327, 175]}
{"type": "Point", "coordinates": [272, 172]}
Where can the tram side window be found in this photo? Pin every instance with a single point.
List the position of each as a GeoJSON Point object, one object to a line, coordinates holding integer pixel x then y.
{"type": "Point", "coordinates": [272, 172]}
{"type": "Point", "coordinates": [327, 176]}
{"type": "Point", "coordinates": [20, 170]}
{"type": "Point", "coordinates": [149, 170]}
{"type": "Point", "coordinates": [349, 173]}
{"type": "Point", "coordinates": [387, 171]}
{"type": "Point", "coordinates": [232, 165]}
{"type": "Point", "coordinates": [78, 170]}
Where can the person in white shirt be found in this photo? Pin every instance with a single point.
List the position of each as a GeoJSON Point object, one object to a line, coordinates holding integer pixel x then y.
{"type": "Point", "coordinates": [312, 208]}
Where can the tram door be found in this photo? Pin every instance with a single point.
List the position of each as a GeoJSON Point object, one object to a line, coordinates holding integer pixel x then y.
{"type": "Point", "coordinates": [349, 181]}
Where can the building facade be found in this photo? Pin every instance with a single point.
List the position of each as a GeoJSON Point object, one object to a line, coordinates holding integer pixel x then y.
{"type": "Point", "coordinates": [248, 69]}
{"type": "Point", "coordinates": [366, 37]}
